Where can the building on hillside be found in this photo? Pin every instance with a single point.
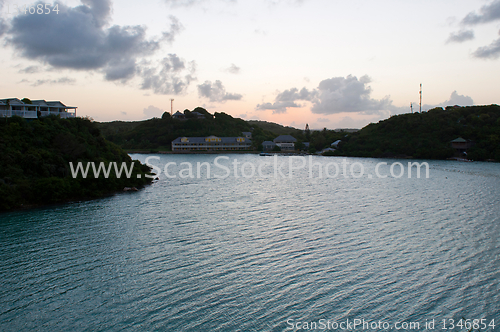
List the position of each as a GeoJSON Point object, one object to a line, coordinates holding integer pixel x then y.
{"type": "Point", "coordinates": [13, 106]}
{"type": "Point", "coordinates": [198, 115]}
{"type": "Point", "coordinates": [461, 145]}
{"type": "Point", "coordinates": [268, 145]}
{"type": "Point", "coordinates": [210, 143]}
{"type": "Point", "coordinates": [335, 144]}
{"type": "Point", "coordinates": [247, 134]}
{"type": "Point", "coordinates": [285, 142]}
{"type": "Point", "coordinates": [178, 115]}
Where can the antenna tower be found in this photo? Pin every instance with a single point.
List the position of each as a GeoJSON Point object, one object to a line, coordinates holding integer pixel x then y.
{"type": "Point", "coordinates": [411, 107]}
{"type": "Point", "coordinates": [171, 106]}
{"type": "Point", "coordinates": [420, 97]}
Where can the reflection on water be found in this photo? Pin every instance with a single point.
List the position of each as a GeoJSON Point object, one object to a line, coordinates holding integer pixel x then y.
{"type": "Point", "coordinates": [243, 254]}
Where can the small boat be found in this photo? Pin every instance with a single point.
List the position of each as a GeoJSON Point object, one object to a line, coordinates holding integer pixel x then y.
{"type": "Point", "coordinates": [266, 154]}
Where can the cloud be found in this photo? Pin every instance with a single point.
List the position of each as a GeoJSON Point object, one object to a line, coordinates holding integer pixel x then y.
{"type": "Point", "coordinates": [123, 113]}
{"type": "Point", "coordinates": [488, 13]}
{"type": "Point", "coordinates": [460, 36]}
{"type": "Point", "coordinates": [173, 76]}
{"type": "Point", "coordinates": [323, 120]}
{"type": "Point", "coordinates": [62, 80]}
{"type": "Point", "coordinates": [277, 107]}
{"type": "Point", "coordinates": [243, 116]}
{"type": "Point", "coordinates": [3, 25]}
{"type": "Point", "coordinates": [152, 112]}
{"type": "Point", "coordinates": [190, 3]}
{"type": "Point", "coordinates": [78, 38]}
{"type": "Point", "coordinates": [339, 95]}
{"type": "Point", "coordinates": [288, 99]}
{"type": "Point", "coordinates": [175, 28]}
{"type": "Point", "coordinates": [233, 69]}
{"type": "Point", "coordinates": [491, 51]}
{"type": "Point", "coordinates": [216, 92]}
{"type": "Point", "coordinates": [182, 3]}
{"type": "Point", "coordinates": [456, 99]}
{"type": "Point", "coordinates": [333, 95]}
{"type": "Point", "coordinates": [30, 70]}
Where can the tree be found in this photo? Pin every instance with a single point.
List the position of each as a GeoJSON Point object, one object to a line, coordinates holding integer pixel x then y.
{"type": "Point", "coordinates": [165, 116]}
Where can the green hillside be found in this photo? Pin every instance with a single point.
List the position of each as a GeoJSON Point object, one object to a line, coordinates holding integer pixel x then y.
{"type": "Point", "coordinates": [275, 128]}
{"type": "Point", "coordinates": [428, 135]}
{"type": "Point", "coordinates": [35, 157]}
{"type": "Point", "coordinates": [154, 134]}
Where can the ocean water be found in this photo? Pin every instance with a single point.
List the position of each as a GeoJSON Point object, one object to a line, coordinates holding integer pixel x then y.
{"type": "Point", "coordinates": [276, 251]}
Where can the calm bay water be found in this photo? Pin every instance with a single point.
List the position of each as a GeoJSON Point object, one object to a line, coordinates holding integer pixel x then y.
{"type": "Point", "coordinates": [250, 254]}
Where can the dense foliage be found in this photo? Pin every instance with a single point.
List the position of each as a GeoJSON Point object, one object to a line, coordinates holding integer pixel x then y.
{"type": "Point", "coordinates": [428, 135]}
{"type": "Point", "coordinates": [35, 157]}
{"type": "Point", "coordinates": [157, 133]}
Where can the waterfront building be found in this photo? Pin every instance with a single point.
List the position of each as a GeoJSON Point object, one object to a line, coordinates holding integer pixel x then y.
{"type": "Point", "coordinates": [210, 143]}
{"type": "Point", "coordinates": [285, 142]}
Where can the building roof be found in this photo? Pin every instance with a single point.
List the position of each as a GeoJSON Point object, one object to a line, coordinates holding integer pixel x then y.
{"type": "Point", "coordinates": [268, 143]}
{"type": "Point", "coordinates": [247, 133]}
{"type": "Point", "coordinates": [198, 114]}
{"type": "Point", "coordinates": [459, 140]}
{"type": "Point", "coordinates": [335, 143]}
{"type": "Point", "coordinates": [285, 139]}
{"type": "Point", "coordinates": [12, 101]}
{"type": "Point", "coordinates": [178, 114]}
{"type": "Point", "coordinates": [202, 139]}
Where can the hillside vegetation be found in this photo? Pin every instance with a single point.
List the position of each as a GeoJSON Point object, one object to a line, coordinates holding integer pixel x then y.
{"type": "Point", "coordinates": [154, 134]}
{"type": "Point", "coordinates": [157, 134]}
{"type": "Point", "coordinates": [428, 135]}
{"type": "Point", "coordinates": [35, 157]}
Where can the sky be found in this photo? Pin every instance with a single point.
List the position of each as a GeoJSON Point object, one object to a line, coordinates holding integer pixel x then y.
{"type": "Point", "coordinates": [330, 64]}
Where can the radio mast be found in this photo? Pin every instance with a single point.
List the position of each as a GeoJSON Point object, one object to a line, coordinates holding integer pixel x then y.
{"type": "Point", "coordinates": [420, 97]}
{"type": "Point", "coordinates": [171, 107]}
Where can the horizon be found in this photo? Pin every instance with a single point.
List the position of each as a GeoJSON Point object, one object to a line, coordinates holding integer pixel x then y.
{"type": "Point", "coordinates": [122, 61]}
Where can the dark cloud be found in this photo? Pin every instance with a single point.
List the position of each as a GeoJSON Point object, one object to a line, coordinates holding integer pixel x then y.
{"type": "Point", "coordinates": [216, 92]}
{"type": "Point", "coordinates": [62, 80]}
{"type": "Point", "coordinates": [233, 69]}
{"type": "Point", "coordinates": [491, 51]}
{"type": "Point", "coordinates": [288, 99]}
{"type": "Point", "coordinates": [77, 38]}
{"type": "Point", "coordinates": [173, 77]}
{"type": "Point", "coordinates": [488, 13]}
{"type": "Point", "coordinates": [152, 112]}
{"type": "Point", "coordinates": [460, 36]}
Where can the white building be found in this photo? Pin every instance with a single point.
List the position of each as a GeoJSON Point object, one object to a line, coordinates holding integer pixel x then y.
{"type": "Point", "coordinates": [13, 106]}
